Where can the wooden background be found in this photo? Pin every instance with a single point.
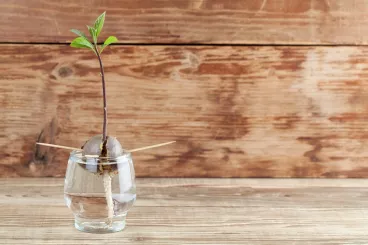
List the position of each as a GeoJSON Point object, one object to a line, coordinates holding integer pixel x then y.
{"type": "Point", "coordinates": [268, 88]}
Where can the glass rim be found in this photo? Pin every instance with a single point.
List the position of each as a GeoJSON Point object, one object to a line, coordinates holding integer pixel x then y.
{"type": "Point", "coordinates": [77, 156]}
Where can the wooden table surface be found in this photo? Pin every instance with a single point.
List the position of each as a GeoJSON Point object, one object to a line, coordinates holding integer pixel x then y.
{"type": "Point", "coordinates": [198, 211]}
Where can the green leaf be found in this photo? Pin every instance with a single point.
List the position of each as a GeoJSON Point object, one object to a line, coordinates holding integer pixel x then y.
{"type": "Point", "coordinates": [108, 41]}
{"type": "Point", "coordinates": [99, 23]}
{"type": "Point", "coordinates": [79, 33]}
{"type": "Point", "coordinates": [81, 42]}
{"type": "Point", "coordinates": [92, 31]}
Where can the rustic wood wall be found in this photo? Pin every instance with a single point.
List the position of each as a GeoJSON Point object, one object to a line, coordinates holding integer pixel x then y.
{"type": "Point", "coordinates": [254, 88]}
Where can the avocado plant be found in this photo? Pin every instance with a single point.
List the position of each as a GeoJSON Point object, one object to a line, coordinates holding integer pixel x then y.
{"type": "Point", "coordinates": [103, 148]}
{"type": "Point", "coordinates": [103, 145]}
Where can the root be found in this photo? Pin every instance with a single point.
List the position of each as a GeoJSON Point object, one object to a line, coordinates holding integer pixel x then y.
{"type": "Point", "coordinates": [108, 195]}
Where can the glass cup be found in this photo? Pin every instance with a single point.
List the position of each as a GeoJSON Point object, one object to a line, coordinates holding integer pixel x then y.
{"type": "Point", "coordinates": [99, 191]}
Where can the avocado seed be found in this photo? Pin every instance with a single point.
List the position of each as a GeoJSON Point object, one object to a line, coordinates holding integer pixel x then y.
{"type": "Point", "coordinates": [109, 149]}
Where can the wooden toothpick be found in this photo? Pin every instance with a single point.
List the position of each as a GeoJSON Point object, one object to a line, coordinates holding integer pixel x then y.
{"type": "Point", "coordinates": [78, 149]}
{"type": "Point", "coordinates": [151, 146]}
{"type": "Point", "coordinates": [59, 146]}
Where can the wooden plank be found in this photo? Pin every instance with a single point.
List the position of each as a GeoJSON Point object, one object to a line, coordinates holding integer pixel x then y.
{"type": "Point", "coordinates": [190, 21]}
{"type": "Point", "coordinates": [198, 211]}
{"type": "Point", "coordinates": [234, 111]}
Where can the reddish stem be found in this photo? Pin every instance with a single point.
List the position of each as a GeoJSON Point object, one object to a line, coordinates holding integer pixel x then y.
{"type": "Point", "coordinates": [104, 134]}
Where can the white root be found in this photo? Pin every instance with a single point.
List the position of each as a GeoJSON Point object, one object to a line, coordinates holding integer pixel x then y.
{"type": "Point", "coordinates": [108, 195]}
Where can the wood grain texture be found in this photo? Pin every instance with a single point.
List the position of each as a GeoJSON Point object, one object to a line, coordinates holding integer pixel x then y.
{"type": "Point", "coordinates": [190, 21]}
{"type": "Point", "coordinates": [234, 111]}
{"type": "Point", "coordinates": [198, 211]}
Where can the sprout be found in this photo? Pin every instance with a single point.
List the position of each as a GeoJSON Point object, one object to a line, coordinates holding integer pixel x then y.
{"type": "Point", "coordinates": [101, 145]}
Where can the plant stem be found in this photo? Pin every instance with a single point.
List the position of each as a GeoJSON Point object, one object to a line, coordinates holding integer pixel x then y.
{"type": "Point", "coordinates": [104, 95]}
{"type": "Point", "coordinates": [106, 175]}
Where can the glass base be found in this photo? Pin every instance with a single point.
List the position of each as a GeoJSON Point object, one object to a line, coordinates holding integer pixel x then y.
{"type": "Point", "coordinates": [100, 225]}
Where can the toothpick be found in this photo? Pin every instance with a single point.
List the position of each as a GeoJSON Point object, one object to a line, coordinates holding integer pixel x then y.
{"type": "Point", "coordinates": [78, 149]}
{"type": "Point", "coordinates": [151, 146]}
{"type": "Point", "coordinates": [142, 148]}
{"type": "Point", "coordinates": [59, 146]}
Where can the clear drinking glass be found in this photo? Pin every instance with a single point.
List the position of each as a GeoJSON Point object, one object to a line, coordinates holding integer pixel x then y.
{"type": "Point", "coordinates": [99, 191]}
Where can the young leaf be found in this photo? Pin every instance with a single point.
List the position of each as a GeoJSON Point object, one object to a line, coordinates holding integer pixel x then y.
{"type": "Point", "coordinates": [79, 33]}
{"type": "Point", "coordinates": [92, 31]}
{"type": "Point", "coordinates": [99, 23]}
{"type": "Point", "coordinates": [108, 41]}
{"type": "Point", "coordinates": [81, 42]}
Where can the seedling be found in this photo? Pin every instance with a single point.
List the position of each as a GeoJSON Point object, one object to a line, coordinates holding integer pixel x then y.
{"type": "Point", "coordinates": [103, 147]}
